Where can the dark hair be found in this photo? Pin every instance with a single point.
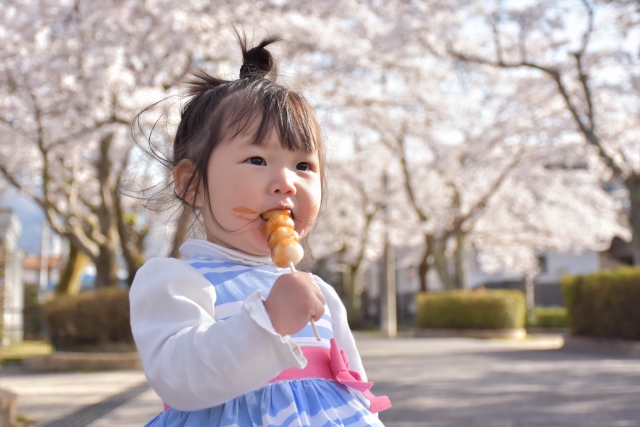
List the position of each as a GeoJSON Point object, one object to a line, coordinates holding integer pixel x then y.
{"type": "Point", "coordinates": [219, 109]}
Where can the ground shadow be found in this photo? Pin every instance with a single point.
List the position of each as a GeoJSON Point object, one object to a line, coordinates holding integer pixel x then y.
{"type": "Point", "coordinates": [517, 388]}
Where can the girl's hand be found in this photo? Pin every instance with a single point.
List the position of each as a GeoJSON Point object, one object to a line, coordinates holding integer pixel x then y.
{"type": "Point", "coordinates": [293, 300]}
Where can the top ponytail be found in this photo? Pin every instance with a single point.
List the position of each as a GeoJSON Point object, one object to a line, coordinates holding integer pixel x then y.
{"type": "Point", "coordinates": [257, 61]}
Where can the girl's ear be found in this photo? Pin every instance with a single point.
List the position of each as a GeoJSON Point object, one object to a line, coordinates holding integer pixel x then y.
{"type": "Point", "coordinates": [185, 178]}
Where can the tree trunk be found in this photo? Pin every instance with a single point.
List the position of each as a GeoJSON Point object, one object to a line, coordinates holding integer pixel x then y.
{"type": "Point", "coordinates": [132, 241]}
{"type": "Point", "coordinates": [132, 269]}
{"type": "Point", "coordinates": [356, 295]}
{"type": "Point", "coordinates": [423, 268]}
{"type": "Point", "coordinates": [460, 279]}
{"type": "Point", "coordinates": [441, 263]}
{"type": "Point", "coordinates": [632, 182]}
{"type": "Point", "coordinates": [351, 282]}
{"type": "Point", "coordinates": [345, 285]}
{"type": "Point", "coordinates": [71, 278]}
{"type": "Point", "coordinates": [107, 261]}
{"type": "Point", "coordinates": [107, 266]}
{"type": "Point", "coordinates": [423, 271]}
{"type": "Point", "coordinates": [132, 245]}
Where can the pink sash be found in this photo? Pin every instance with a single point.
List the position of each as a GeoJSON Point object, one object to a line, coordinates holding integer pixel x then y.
{"type": "Point", "coordinates": [332, 364]}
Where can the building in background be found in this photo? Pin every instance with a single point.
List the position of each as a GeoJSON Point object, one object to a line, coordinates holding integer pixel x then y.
{"type": "Point", "coordinates": [546, 285]}
{"type": "Point", "coordinates": [32, 274]}
{"type": "Point", "coordinates": [552, 265]}
{"type": "Point", "coordinates": [11, 279]}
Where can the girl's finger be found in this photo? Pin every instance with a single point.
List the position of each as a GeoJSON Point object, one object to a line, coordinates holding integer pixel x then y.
{"type": "Point", "coordinates": [318, 310]}
{"type": "Point", "coordinates": [320, 296]}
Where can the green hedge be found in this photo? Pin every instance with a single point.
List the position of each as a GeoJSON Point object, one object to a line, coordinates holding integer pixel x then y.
{"type": "Point", "coordinates": [548, 317]}
{"type": "Point", "coordinates": [89, 321]}
{"type": "Point", "coordinates": [604, 304]}
{"type": "Point", "coordinates": [481, 309]}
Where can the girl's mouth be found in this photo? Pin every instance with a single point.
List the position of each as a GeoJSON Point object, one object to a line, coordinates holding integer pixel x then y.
{"type": "Point", "coordinates": [277, 211]}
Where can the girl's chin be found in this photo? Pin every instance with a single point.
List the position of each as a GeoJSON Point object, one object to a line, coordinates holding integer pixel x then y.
{"type": "Point", "coordinates": [260, 244]}
{"type": "Point", "coordinates": [253, 249]}
{"type": "Point", "coordinates": [263, 250]}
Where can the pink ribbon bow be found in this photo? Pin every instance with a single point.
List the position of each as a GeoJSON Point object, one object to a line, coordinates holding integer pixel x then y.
{"type": "Point", "coordinates": [337, 368]}
{"type": "Point", "coordinates": [340, 369]}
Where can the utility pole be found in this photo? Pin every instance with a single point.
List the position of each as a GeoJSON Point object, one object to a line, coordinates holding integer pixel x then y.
{"type": "Point", "coordinates": [44, 260]}
{"type": "Point", "coordinates": [388, 312]}
{"type": "Point", "coordinates": [530, 292]}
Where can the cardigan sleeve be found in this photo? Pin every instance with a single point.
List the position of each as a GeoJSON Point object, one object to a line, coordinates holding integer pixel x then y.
{"type": "Point", "coordinates": [341, 331]}
{"type": "Point", "coordinates": [191, 360]}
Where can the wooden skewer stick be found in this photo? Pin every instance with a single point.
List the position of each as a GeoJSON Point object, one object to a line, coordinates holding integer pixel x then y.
{"type": "Point", "coordinates": [313, 323]}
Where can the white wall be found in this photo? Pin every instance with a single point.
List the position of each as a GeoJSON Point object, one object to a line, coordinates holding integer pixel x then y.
{"type": "Point", "coordinates": [13, 287]}
{"type": "Point", "coordinates": [557, 266]}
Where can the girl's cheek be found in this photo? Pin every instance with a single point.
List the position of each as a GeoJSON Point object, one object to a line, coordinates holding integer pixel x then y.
{"type": "Point", "coordinates": [250, 194]}
{"type": "Point", "coordinates": [311, 203]}
{"type": "Point", "coordinates": [316, 196]}
{"type": "Point", "coordinates": [242, 189]}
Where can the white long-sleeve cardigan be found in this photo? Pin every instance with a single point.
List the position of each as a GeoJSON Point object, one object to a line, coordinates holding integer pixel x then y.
{"type": "Point", "coordinates": [193, 361]}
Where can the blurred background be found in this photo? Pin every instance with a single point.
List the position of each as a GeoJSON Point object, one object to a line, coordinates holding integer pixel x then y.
{"type": "Point", "coordinates": [483, 162]}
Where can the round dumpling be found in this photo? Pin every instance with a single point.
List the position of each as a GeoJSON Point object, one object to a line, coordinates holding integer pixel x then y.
{"type": "Point", "coordinates": [277, 221]}
{"type": "Point", "coordinates": [285, 251]}
{"type": "Point", "coordinates": [282, 233]}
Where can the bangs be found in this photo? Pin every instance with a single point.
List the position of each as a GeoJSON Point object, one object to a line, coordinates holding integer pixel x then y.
{"type": "Point", "coordinates": [264, 105]}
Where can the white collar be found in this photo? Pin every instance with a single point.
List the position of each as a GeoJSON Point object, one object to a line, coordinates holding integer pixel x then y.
{"type": "Point", "coordinates": [204, 248]}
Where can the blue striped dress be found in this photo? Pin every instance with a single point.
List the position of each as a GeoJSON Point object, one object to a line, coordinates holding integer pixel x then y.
{"type": "Point", "coordinates": [312, 402]}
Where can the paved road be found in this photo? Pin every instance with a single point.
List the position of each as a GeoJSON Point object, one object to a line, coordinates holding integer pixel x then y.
{"type": "Point", "coordinates": [468, 383]}
{"type": "Point", "coordinates": [431, 383]}
{"type": "Point", "coordinates": [46, 397]}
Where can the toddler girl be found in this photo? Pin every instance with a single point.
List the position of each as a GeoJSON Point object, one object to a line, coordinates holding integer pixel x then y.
{"type": "Point", "coordinates": [224, 335]}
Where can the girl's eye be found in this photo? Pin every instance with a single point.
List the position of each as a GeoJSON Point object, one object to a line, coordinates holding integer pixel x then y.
{"type": "Point", "coordinates": [303, 166]}
{"type": "Point", "coordinates": [258, 161]}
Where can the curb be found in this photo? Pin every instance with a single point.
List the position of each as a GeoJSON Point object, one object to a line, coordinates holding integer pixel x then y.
{"type": "Point", "coordinates": [518, 333]}
{"type": "Point", "coordinates": [8, 408]}
{"type": "Point", "coordinates": [61, 361]}
{"type": "Point", "coordinates": [86, 415]}
{"type": "Point", "coordinates": [630, 348]}
{"type": "Point", "coordinates": [549, 331]}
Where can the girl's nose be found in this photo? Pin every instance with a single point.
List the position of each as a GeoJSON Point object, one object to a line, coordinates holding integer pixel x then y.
{"type": "Point", "coordinates": [283, 183]}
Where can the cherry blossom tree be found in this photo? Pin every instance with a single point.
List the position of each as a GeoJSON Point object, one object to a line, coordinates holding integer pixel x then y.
{"type": "Point", "coordinates": [462, 141]}
{"type": "Point", "coordinates": [463, 145]}
{"type": "Point", "coordinates": [585, 52]}
{"type": "Point", "coordinates": [541, 207]}
{"type": "Point", "coordinates": [73, 75]}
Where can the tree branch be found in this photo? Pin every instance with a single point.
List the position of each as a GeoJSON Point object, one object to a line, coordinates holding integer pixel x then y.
{"type": "Point", "coordinates": [14, 129]}
{"type": "Point", "coordinates": [407, 179]}
{"type": "Point", "coordinates": [12, 180]}
{"type": "Point", "coordinates": [97, 126]}
{"type": "Point", "coordinates": [496, 36]}
{"type": "Point", "coordinates": [587, 131]}
{"type": "Point", "coordinates": [587, 34]}
{"type": "Point", "coordinates": [482, 202]}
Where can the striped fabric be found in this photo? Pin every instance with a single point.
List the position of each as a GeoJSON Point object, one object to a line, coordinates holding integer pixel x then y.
{"type": "Point", "coordinates": [295, 403]}
{"type": "Point", "coordinates": [235, 282]}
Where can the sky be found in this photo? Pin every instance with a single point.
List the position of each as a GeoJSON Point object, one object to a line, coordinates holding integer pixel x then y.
{"type": "Point", "coordinates": [30, 215]}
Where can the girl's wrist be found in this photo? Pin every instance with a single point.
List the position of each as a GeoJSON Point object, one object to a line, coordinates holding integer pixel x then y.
{"type": "Point", "coordinates": [267, 307]}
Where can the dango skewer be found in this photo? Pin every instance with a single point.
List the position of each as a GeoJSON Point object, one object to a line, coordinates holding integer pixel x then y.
{"type": "Point", "coordinates": [284, 242]}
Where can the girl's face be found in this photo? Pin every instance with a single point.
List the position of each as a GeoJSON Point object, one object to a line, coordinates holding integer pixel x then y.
{"type": "Point", "coordinates": [246, 180]}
